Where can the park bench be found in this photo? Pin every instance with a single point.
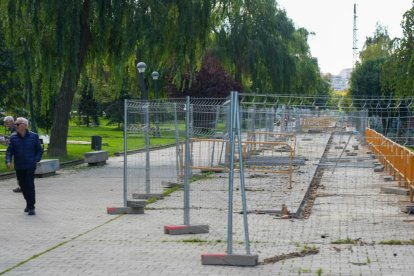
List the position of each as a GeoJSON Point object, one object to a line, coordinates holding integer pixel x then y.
{"type": "Point", "coordinates": [47, 167]}
{"type": "Point", "coordinates": [94, 158]}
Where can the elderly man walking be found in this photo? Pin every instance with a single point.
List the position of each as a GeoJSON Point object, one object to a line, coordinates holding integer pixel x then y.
{"type": "Point", "coordinates": [26, 150]}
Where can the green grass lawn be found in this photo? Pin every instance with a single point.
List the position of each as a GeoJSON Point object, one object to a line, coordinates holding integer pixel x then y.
{"type": "Point", "coordinates": [112, 141]}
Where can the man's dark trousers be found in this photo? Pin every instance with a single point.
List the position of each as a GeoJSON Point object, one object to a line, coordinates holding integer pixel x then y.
{"type": "Point", "coordinates": [26, 181]}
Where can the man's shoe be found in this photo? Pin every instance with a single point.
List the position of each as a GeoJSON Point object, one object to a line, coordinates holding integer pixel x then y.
{"type": "Point", "coordinates": [17, 190]}
{"type": "Point", "coordinates": [31, 212]}
{"type": "Point", "coordinates": [26, 210]}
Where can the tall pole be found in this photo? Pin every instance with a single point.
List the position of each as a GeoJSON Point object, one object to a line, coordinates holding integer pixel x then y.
{"type": "Point", "coordinates": [355, 40]}
{"type": "Point", "coordinates": [125, 151]}
{"type": "Point", "coordinates": [187, 163]}
{"type": "Point", "coordinates": [237, 127]}
{"type": "Point", "coordinates": [144, 93]}
{"type": "Point", "coordinates": [231, 174]}
{"type": "Point", "coordinates": [177, 143]}
{"type": "Point", "coordinates": [147, 151]}
{"type": "Point", "coordinates": [156, 89]}
{"type": "Point", "coordinates": [141, 66]}
{"type": "Point", "coordinates": [155, 76]}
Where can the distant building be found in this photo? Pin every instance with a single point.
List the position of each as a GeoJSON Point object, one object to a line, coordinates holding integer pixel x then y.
{"type": "Point", "coordinates": [341, 81]}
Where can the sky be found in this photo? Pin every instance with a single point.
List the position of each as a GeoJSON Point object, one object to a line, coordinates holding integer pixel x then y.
{"type": "Point", "coordinates": [332, 23]}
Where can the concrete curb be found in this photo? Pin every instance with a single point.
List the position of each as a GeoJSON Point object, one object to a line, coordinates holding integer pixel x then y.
{"type": "Point", "coordinates": [67, 164]}
{"type": "Point", "coordinates": [120, 153]}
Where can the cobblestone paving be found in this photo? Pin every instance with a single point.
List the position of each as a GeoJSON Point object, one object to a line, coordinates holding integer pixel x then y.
{"type": "Point", "coordinates": [72, 234]}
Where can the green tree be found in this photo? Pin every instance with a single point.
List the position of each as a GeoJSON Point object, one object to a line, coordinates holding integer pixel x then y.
{"type": "Point", "coordinates": [253, 37]}
{"type": "Point", "coordinates": [56, 42]}
{"type": "Point", "coordinates": [307, 79]}
{"type": "Point", "coordinates": [10, 99]}
{"type": "Point", "coordinates": [366, 83]}
{"type": "Point", "coordinates": [65, 37]}
{"type": "Point", "coordinates": [115, 110]}
{"type": "Point", "coordinates": [6, 69]}
{"type": "Point", "coordinates": [398, 74]}
{"type": "Point", "coordinates": [88, 109]}
{"type": "Point", "coordinates": [365, 80]}
{"type": "Point", "coordinates": [380, 45]}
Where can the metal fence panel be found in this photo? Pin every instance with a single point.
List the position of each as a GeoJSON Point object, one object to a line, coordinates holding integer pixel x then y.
{"type": "Point", "coordinates": [322, 147]}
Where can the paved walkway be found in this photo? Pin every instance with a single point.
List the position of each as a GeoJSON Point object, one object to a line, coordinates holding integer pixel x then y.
{"type": "Point", "coordinates": [72, 234]}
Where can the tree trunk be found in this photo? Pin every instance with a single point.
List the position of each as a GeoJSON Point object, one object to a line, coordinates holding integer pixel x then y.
{"type": "Point", "coordinates": [60, 125]}
{"type": "Point", "coordinates": [63, 105]}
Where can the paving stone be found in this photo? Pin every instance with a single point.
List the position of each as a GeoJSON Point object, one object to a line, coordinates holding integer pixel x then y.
{"type": "Point", "coordinates": [72, 234]}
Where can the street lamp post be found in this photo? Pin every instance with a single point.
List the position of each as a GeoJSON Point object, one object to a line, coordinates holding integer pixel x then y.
{"type": "Point", "coordinates": [155, 75]}
{"type": "Point", "coordinates": [141, 66]}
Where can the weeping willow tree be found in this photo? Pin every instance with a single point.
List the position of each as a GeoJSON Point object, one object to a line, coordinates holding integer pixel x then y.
{"type": "Point", "coordinates": [398, 72]}
{"type": "Point", "coordinates": [65, 38]}
{"type": "Point", "coordinates": [7, 77]}
{"type": "Point", "coordinates": [307, 79]}
{"type": "Point", "coordinates": [259, 44]}
{"type": "Point", "coordinates": [56, 42]}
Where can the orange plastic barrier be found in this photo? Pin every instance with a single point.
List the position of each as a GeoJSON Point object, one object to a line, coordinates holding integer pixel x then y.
{"type": "Point", "coordinates": [398, 161]}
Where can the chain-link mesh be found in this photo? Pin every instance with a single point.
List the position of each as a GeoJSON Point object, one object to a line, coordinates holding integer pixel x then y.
{"type": "Point", "coordinates": [152, 125]}
{"type": "Point", "coordinates": [337, 161]}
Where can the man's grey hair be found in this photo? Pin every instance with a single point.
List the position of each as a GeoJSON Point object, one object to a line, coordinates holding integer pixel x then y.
{"type": "Point", "coordinates": [22, 120]}
{"type": "Point", "coordinates": [8, 119]}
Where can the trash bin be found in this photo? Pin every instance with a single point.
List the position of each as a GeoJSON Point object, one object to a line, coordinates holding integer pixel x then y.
{"type": "Point", "coordinates": [96, 143]}
{"type": "Point", "coordinates": [41, 143]}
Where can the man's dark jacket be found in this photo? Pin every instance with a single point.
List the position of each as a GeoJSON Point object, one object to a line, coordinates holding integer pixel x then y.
{"type": "Point", "coordinates": [26, 150]}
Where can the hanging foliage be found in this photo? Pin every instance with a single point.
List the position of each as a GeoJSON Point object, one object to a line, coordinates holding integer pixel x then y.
{"type": "Point", "coordinates": [56, 42]}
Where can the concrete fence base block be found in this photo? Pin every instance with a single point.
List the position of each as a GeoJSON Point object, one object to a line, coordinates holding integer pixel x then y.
{"type": "Point", "coordinates": [339, 147]}
{"type": "Point", "coordinates": [147, 196]}
{"type": "Point", "coordinates": [314, 130]}
{"type": "Point", "coordinates": [97, 163]}
{"type": "Point", "coordinates": [307, 139]}
{"type": "Point", "coordinates": [386, 189]}
{"type": "Point", "coordinates": [407, 208]}
{"type": "Point", "coordinates": [355, 147]}
{"type": "Point", "coordinates": [45, 174]}
{"type": "Point", "coordinates": [47, 167]}
{"type": "Point", "coordinates": [229, 259]}
{"type": "Point", "coordinates": [351, 154]}
{"type": "Point", "coordinates": [136, 203]}
{"type": "Point", "coordinates": [168, 184]}
{"type": "Point", "coordinates": [379, 169]}
{"type": "Point", "coordinates": [388, 178]}
{"type": "Point", "coordinates": [124, 210]}
{"type": "Point", "coordinates": [185, 229]}
{"type": "Point", "coordinates": [95, 158]}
